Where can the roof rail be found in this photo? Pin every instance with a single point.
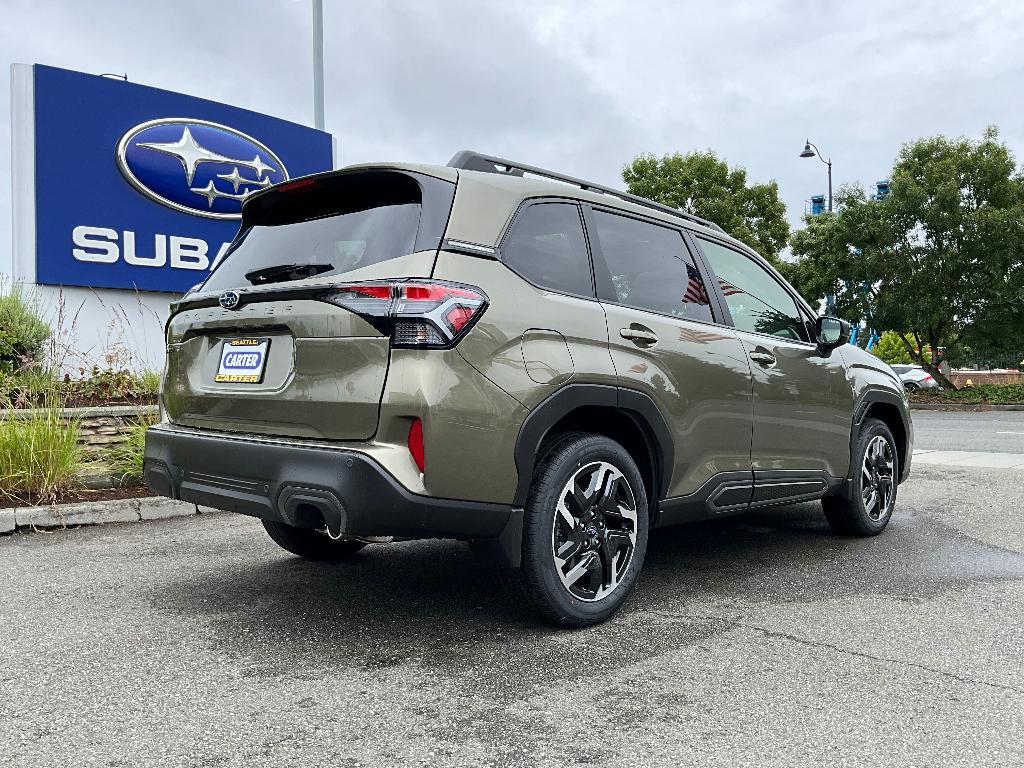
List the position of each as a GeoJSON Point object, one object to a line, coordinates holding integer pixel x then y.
{"type": "Point", "coordinates": [468, 160]}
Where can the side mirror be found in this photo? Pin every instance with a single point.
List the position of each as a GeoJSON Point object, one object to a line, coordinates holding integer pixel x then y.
{"type": "Point", "coordinates": [831, 332]}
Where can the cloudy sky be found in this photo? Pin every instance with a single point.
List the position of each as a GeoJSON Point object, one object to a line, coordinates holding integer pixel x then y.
{"type": "Point", "coordinates": [577, 86]}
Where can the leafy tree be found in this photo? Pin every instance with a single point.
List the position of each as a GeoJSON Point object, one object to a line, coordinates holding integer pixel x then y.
{"type": "Point", "coordinates": [702, 184]}
{"type": "Point", "coordinates": [891, 349]}
{"type": "Point", "coordinates": [941, 258]}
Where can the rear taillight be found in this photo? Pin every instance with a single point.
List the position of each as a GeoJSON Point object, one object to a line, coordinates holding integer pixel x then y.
{"type": "Point", "coordinates": [417, 313]}
{"type": "Point", "coordinates": [927, 377]}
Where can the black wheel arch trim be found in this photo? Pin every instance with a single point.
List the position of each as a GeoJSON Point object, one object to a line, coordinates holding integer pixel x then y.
{"type": "Point", "coordinates": [559, 404]}
{"type": "Point", "coordinates": [866, 400]}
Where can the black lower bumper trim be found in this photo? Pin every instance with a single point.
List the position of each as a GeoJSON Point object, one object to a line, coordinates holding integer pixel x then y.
{"type": "Point", "coordinates": [306, 486]}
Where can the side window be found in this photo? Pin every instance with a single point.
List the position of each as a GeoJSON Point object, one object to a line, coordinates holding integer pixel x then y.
{"type": "Point", "coordinates": [651, 268]}
{"type": "Point", "coordinates": [546, 246]}
{"type": "Point", "coordinates": [757, 302]}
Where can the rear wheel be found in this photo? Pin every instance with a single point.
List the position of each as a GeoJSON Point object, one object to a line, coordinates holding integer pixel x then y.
{"type": "Point", "coordinates": [311, 544]}
{"type": "Point", "coordinates": [584, 530]}
{"type": "Point", "coordinates": [911, 386]}
{"type": "Point", "coordinates": [867, 507]}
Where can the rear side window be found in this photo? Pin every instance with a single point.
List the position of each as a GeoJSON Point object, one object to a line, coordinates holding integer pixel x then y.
{"type": "Point", "coordinates": [546, 246]}
{"type": "Point", "coordinates": [325, 226]}
{"type": "Point", "coordinates": [651, 268]}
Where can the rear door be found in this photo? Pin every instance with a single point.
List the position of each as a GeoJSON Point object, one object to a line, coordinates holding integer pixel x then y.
{"type": "Point", "coordinates": [260, 348]}
{"type": "Point", "coordinates": [666, 342]}
{"type": "Point", "coordinates": [803, 403]}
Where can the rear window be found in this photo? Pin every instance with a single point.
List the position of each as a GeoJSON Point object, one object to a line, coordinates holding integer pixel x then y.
{"type": "Point", "coordinates": [330, 225]}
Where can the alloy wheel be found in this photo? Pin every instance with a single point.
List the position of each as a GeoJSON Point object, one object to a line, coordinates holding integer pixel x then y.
{"type": "Point", "coordinates": [594, 533]}
{"type": "Point", "coordinates": [878, 473]}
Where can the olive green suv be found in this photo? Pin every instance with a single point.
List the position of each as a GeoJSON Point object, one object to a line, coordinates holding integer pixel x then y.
{"type": "Point", "coordinates": [498, 353]}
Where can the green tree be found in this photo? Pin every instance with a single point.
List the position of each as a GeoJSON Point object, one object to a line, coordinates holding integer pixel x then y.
{"type": "Point", "coordinates": [891, 349]}
{"type": "Point", "coordinates": [702, 184]}
{"type": "Point", "coordinates": [940, 259]}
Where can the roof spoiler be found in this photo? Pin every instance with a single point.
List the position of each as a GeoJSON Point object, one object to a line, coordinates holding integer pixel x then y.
{"type": "Point", "coordinates": [467, 160]}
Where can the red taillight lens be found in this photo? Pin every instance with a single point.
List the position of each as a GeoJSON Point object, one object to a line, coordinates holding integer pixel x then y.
{"type": "Point", "coordinates": [422, 314]}
{"type": "Point", "coordinates": [416, 443]}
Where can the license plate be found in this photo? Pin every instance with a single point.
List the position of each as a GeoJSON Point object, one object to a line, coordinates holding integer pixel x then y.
{"type": "Point", "coordinates": [242, 361]}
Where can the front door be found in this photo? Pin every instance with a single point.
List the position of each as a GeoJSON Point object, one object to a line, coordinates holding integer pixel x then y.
{"type": "Point", "coordinates": [665, 342]}
{"type": "Point", "coordinates": [803, 402]}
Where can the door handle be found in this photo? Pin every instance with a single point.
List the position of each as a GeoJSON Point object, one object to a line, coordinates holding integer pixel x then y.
{"type": "Point", "coordinates": [762, 356]}
{"type": "Point", "coordinates": [638, 336]}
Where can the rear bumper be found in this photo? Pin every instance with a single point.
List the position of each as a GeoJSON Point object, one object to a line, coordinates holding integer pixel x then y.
{"type": "Point", "coordinates": [307, 486]}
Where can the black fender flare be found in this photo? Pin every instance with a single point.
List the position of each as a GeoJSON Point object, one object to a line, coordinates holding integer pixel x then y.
{"type": "Point", "coordinates": [636, 405]}
{"type": "Point", "coordinates": [864, 402]}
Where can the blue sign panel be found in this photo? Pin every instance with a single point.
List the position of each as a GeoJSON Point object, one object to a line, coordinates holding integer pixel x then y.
{"type": "Point", "coordinates": [140, 188]}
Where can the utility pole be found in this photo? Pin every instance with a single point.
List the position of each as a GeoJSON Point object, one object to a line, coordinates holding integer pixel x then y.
{"type": "Point", "coordinates": [318, 64]}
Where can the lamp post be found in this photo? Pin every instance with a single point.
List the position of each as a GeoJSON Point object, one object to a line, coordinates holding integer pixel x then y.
{"type": "Point", "coordinates": [318, 64]}
{"type": "Point", "coordinates": [812, 151]}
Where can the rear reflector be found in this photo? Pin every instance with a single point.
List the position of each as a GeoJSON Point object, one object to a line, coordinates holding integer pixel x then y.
{"type": "Point", "coordinates": [430, 314]}
{"type": "Point", "coordinates": [416, 443]}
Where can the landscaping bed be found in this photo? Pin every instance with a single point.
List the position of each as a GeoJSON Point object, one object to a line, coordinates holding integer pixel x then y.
{"type": "Point", "coordinates": [980, 395]}
{"type": "Point", "coordinates": [80, 496]}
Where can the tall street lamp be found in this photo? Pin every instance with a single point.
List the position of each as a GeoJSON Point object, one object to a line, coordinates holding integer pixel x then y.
{"type": "Point", "coordinates": [318, 64]}
{"type": "Point", "coordinates": [812, 151]}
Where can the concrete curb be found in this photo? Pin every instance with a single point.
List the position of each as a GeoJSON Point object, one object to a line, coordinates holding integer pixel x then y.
{"type": "Point", "coordinates": [92, 411]}
{"type": "Point", "coordinates": [963, 407]}
{"type": "Point", "coordinates": [93, 513]}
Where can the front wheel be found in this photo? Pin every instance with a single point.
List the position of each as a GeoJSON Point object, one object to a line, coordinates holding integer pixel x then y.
{"type": "Point", "coordinates": [867, 507]}
{"type": "Point", "coordinates": [584, 530]}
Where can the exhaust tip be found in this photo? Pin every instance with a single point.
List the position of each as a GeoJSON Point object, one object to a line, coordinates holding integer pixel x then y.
{"type": "Point", "coordinates": [312, 508]}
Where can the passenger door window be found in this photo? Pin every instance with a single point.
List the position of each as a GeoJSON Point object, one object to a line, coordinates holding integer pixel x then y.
{"type": "Point", "coordinates": [651, 268]}
{"type": "Point", "coordinates": [547, 247]}
{"type": "Point", "coordinates": [757, 301]}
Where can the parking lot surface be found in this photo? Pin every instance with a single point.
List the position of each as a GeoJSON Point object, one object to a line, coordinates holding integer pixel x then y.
{"type": "Point", "coordinates": [996, 431]}
{"type": "Point", "coordinates": [763, 640]}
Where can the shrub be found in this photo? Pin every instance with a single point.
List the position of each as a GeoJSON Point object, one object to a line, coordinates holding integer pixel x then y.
{"type": "Point", "coordinates": [116, 385]}
{"type": "Point", "coordinates": [980, 394]}
{"type": "Point", "coordinates": [127, 457]}
{"type": "Point", "coordinates": [39, 455]}
{"type": "Point", "coordinates": [891, 350]}
{"type": "Point", "coordinates": [22, 332]}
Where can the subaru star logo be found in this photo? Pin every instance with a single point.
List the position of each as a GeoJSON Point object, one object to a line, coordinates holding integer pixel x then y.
{"type": "Point", "coordinates": [196, 166]}
{"type": "Point", "coordinates": [229, 299]}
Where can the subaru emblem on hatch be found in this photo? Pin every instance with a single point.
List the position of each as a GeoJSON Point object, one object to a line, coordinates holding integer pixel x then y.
{"type": "Point", "coordinates": [230, 299]}
{"type": "Point", "coordinates": [196, 166]}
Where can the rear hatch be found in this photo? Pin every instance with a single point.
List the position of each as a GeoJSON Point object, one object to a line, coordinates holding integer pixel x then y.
{"type": "Point", "coordinates": [258, 348]}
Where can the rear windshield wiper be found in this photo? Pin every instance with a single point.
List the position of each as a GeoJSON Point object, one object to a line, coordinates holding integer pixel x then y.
{"type": "Point", "coordinates": [282, 273]}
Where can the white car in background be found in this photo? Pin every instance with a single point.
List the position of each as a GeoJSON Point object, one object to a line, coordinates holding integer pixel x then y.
{"type": "Point", "coordinates": [915, 377]}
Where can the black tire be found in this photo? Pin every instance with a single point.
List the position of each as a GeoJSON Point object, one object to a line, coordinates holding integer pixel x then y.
{"type": "Point", "coordinates": [910, 386]}
{"type": "Point", "coordinates": [599, 537]}
{"type": "Point", "coordinates": [850, 513]}
{"type": "Point", "coordinates": [311, 544]}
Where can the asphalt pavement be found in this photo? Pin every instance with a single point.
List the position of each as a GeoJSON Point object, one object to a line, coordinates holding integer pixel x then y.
{"type": "Point", "coordinates": [761, 641]}
{"type": "Point", "coordinates": [997, 431]}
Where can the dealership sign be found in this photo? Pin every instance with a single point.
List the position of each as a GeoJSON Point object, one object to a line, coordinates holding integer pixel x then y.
{"type": "Point", "coordinates": [140, 188]}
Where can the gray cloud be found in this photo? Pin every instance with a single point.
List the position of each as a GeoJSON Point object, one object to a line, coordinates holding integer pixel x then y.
{"type": "Point", "coordinates": [578, 86]}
